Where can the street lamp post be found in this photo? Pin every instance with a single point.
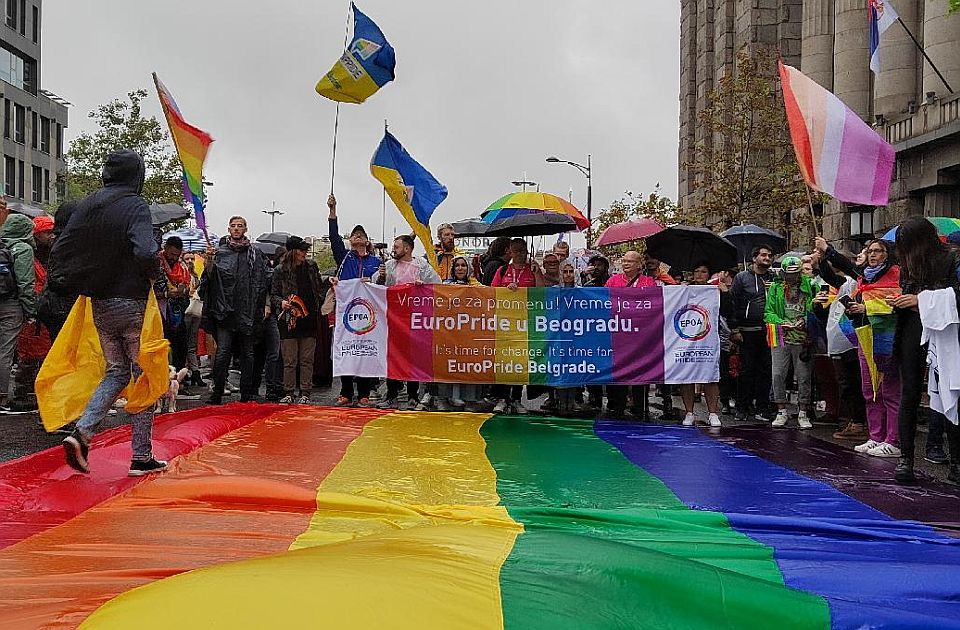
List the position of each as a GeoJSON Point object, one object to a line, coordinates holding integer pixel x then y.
{"type": "Point", "coordinates": [588, 173]}
{"type": "Point", "coordinates": [523, 183]}
{"type": "Point", "coordinates": [273, 212]}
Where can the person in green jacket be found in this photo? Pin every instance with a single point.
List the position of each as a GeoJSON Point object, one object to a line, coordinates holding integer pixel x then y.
{"type": "Point", "coordinates": [18, 298]}
{"type": "Point", "coordinates": [789, 304]}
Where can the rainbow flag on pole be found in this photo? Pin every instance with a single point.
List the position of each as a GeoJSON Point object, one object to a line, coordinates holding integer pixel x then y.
{"type": "Point", "coordinates": [837, 152]}
{"type": "Point", "coordinates": [191, 144]}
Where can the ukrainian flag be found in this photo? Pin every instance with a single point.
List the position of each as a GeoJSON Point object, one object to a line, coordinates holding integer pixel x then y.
{"type": "Point", "coordinates": [412, 188]}
{"type": "Point", "coordinates": [365, 67]}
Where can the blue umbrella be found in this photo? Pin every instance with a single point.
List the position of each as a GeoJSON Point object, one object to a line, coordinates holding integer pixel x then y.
{"type": "Point", "coordinates": [747, 237]}
{"type": "Point", "coordinates": [192, 238]}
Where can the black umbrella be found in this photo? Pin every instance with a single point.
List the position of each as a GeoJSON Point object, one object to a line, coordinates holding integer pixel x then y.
{"type": "Point", "coordinates": [683, 247]}
{"type": "Point", "coordinates": [267, 249]}
{"type": "Point", "coordinates": [534, 224]}
{"type": "Point", "coordinates": [470, 227]}
{"type": "Point", "coordinates": [277, 238]}
{"type": "Point", "coordinates": [26, 209]}
{"type": "Point", "coordinates": [163, 213]}
{"type": "Point", "coordinates": [746, 237]}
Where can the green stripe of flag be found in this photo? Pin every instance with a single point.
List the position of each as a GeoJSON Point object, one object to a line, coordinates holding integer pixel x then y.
{"type": "Point", "coordinates": [606, 545]}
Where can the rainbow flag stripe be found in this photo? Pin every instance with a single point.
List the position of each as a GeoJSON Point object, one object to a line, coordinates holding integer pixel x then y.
{"type": "Point", "coordinates": [191, 144]}
{"type": "Point", "coordinates": [362, 518]}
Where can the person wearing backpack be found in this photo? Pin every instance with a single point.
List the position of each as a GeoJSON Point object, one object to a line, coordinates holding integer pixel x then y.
{"type": "Point", "coordinates": [18, 299]}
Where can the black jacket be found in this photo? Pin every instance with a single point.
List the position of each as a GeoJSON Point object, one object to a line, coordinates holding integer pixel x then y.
{"type": "Point", "coordinates": [749, 295]}
{"type": "Point", "coordinates": [490, 268]}
{"type": "Point", "coordinates": [107, 249]}
{"type": "Point", "coordinates": [234, 289]}
{"type": "Point", "coordinates": [284, 283]}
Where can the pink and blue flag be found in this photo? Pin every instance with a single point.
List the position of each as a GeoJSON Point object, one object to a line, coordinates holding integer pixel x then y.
{"type": "Point", "coordinates": [882, 16]}
{"type": "Point", "coordinates": [837, 152]}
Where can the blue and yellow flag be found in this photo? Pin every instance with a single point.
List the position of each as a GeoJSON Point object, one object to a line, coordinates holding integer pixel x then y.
{"type": "Point", "coordinates": [365, 66]}
{"type": "Point", "coordinates": [412, 188]}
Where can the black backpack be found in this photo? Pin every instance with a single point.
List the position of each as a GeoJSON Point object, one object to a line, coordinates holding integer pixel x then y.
{"type": "Point", "coordinates": [8, 277]}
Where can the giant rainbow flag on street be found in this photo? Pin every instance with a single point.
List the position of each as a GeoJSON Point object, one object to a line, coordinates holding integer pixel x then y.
{"type": "Point", "coordinates": [837, 152]}
{"type": "Point", "coordinates": [191, 144]}
{"type": "Point", "coordinates": [304, 517]}
{"type": "Point", "coordinates": [366, 65]}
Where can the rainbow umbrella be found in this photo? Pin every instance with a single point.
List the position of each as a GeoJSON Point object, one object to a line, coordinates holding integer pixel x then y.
{"type": "Point", "coordinates": [532, 203]}
{"type": "Point", "coordinates": [945, 227]}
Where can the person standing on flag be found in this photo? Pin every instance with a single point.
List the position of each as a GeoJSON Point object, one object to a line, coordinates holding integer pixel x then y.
{"type": "Point", "coordinates": [359, 263]}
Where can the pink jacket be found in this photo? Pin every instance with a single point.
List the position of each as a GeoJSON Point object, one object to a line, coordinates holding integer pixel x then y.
{"type": "Point", "coordinates": [619, 281]}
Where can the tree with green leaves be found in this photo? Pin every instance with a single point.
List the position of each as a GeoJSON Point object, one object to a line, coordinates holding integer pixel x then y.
{"type": "Point", "coordinates": [655, 205]}
{"type": "Point", "coordinates": [745, 165]}
{"type": "Point", "coordinates": [122, 125]}
{"type": "Point", "coordinates": [954, 5]}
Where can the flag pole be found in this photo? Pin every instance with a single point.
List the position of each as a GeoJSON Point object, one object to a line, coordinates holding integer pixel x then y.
{"type": "Point", "coordinates": [383, 215]}
{"type": "Point", "coordinates": [925, 55]}
{"type": "Point", "coordinates": [813, 217]}
{"type": "Point", "coordinates": [336, 119]}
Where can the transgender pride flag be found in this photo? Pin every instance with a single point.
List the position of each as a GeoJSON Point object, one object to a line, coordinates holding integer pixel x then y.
{"type": "Point", "coordinates": [838, 153]}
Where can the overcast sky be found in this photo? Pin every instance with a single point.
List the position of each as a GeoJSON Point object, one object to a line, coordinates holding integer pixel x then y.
{"type": "Point", "coordinates": [484, 92]}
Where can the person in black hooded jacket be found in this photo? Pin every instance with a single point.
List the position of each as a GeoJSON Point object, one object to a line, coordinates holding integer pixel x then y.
{"type": "Point", "coordinates": [107, 252]}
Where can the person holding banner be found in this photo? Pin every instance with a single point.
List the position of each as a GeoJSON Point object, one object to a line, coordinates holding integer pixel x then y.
{"type": "Point", "coordinates": [701, 276]}
{"type": "Point", "coordinates": [403, 268]}
{"type": "Point", "coordinates": [632, 276]}
{"type": "Point", "coordinates": [446, 250]}
{"type": "Point", "coordinates": [522, 271]}
{"type": "Point", "coordinates": [358, 263]}
{"type": "Point", "coordinates": [459, 395]}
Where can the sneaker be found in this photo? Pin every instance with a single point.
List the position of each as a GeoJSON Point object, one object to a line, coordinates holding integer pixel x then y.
{"type": "Point", "coordinates": [935, 455]}
{"type": "Point", "coordinates": [714, 420]}
{"type": "Point", "coordinates": [342, 401]}
{"type": "Point", "coordinates": [500, 407]}
{"type": "Point", "coordinates": [780, 420]}
{"type": "Point", "coordinates": [303, 400]}
{"type": "Point", "coordinates": [426, 400]}
{"type": "Point", "coordinates": [389, 403]}
{"type": "Point", "coordinates": [804, 421]}
{"type": "Point", "coordinates": [689, 420]}
{"type": "Point", "coordinates": [286, 400]}
{"type": "Point", "coordinates": [76, 449]}
{"type": "Point", "coordinates": [364, 402]}
{"type": "Point", "coordinates": [459, 404]}
{"type": "Point", "coordinates": [866, 446]}
{"type": "Point", "coordinates": [904, 471]}
{"type": "Point", "coordinates": [139, 469]}
{"type": "Point", "coordinates": [853, 431]}
{"type": "Point", "coordinates": [442, 405]}
{"type": "Point", "coordinates": [884, 450]}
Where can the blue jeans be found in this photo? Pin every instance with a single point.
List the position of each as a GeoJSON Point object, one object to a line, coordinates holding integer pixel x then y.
{"type": "Point", "coordinates": [118, 322]}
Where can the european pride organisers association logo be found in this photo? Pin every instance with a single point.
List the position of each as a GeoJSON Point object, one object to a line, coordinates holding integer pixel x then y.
{"type": "Point", "coordinates": [359, 317]}
{"type": "Point", "coordinates": [692, 324]}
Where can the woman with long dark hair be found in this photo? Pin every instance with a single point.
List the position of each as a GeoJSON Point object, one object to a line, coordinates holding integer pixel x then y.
{"type": "Point", "coordinates": [926, 264]}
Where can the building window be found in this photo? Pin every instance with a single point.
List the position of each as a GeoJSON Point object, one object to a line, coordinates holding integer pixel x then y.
{"type": "Point", "coordinates": [6, 118]}
{"type": "Point", "coordinates": [20, 187]}
{"type": "Point", "coordinates": [46, 185]}
{"type": "Point", "coordinates": [23, 17]}
{"type": "Point", "coordinates": [12, 13]}
{"type": "Point", "coordinates": [9, 176]}
{"type": "Point", "coordinates": [861, 223]}
{"type": "Point", "coordinates": [45, 134]}
{"type": "Point", "coordinates": [37, 183]}
{"type": "Point", "coordinates": [59, 140]}
{"type": "Point", "coordinates": [36, 25]}
{"type": "Point", "coordinates": [34, 130]}
{"type": "Point", "coordinates": [12, 68]}
{"type": "Point", "coordinates": [19, 123]}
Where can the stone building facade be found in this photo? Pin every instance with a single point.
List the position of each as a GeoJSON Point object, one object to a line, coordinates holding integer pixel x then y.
{"type": "Point", "coordinates": [829, 41]}
{"type": "Point", "coordinates": [33, 119]}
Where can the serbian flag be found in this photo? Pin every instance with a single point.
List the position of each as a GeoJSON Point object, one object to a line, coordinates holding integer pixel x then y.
{"type": "Point", "coordinates": [365, 66]}
{"type": "Point", "coordinates": [414, 191]}
{"type": "Point", "coordinates": [837, 152]}
{"type": "Point", "coordinates": [882, 16]}
{"type": "Point", "coordinates": [191, 144]}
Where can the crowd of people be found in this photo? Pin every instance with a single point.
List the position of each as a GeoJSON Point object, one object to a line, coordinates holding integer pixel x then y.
{"type": "Point", "coordinates": [838, 337]}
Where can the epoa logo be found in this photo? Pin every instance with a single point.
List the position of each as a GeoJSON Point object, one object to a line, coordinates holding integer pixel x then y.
{"type": "Point", "coordinates": [359, 317]}
{"type": "Point", "coordinates": [692, 322]}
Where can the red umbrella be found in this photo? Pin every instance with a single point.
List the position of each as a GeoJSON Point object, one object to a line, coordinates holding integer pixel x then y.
{"type": "Point", "coordinates": [628, 231]}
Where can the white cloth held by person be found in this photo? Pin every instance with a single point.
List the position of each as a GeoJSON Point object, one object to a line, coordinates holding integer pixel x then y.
{"type": "Point", "coordinates": [941, 329]}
